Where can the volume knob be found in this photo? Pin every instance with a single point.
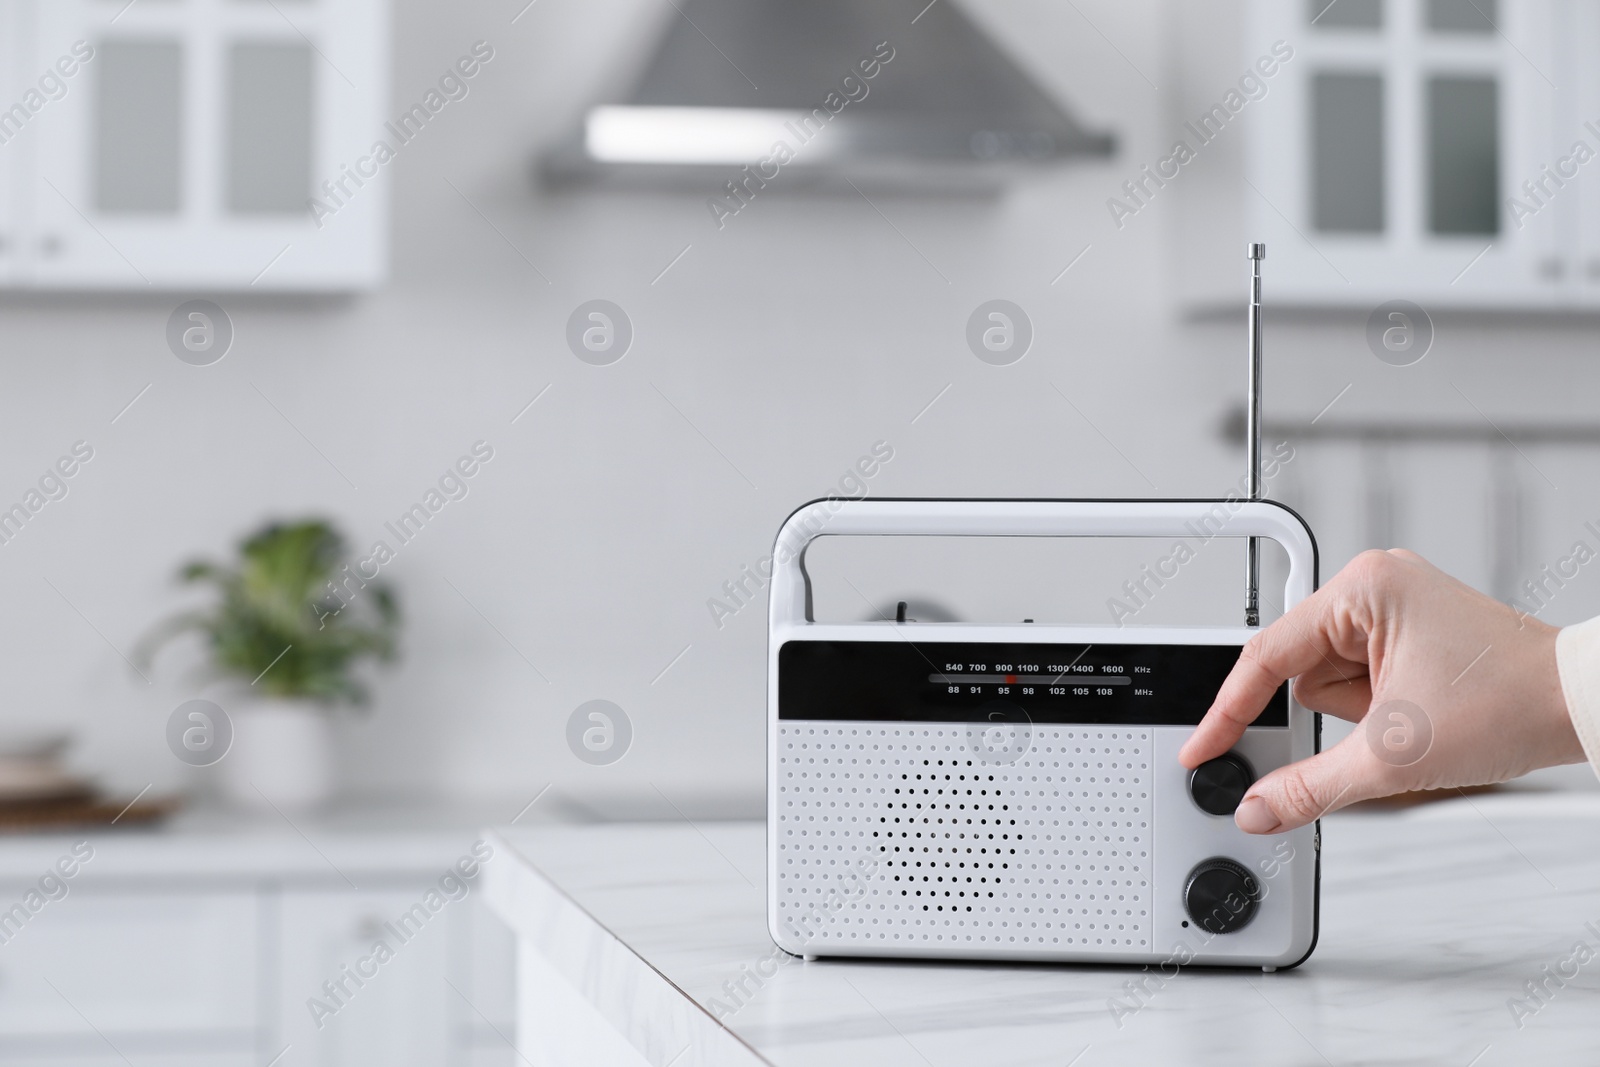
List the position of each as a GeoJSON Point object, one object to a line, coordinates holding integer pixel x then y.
{"type": "Point", "coordinates": [1218, 785]}
{"type": "Point", "coordinates": [1221, 896]}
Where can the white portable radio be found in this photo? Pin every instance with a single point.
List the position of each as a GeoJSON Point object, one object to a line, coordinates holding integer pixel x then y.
{"type": "Point", "coordinates": [965, 791]}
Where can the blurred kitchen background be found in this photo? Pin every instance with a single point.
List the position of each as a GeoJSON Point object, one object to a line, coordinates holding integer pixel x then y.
{"type": "Point", "coordinates": [384, 312]}
{"type": "Point", "coordinates": [769, 353]}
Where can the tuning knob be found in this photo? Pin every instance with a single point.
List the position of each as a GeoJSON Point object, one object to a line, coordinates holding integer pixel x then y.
{"type": "Point", "coordinates": [1221, 896]}
{"type": "Point", "coordinates": [1219, 784]}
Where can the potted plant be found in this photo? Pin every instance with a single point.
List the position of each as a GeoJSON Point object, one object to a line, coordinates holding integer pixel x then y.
{"type": "Point", "coordinates": [290, 624]}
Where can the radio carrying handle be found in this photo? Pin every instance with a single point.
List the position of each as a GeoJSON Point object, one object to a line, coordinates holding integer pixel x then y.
{"type": "Point", "coordinates": [790, 596]}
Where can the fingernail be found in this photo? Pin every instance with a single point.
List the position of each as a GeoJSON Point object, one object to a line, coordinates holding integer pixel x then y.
{"type": "Point", "coordinates": [1254, 816]}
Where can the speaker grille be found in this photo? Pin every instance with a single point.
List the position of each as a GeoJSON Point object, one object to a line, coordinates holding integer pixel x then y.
{"type": "Point", "coordinates": [936, 836]}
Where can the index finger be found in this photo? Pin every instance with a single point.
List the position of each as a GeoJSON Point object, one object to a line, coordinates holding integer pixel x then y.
{"type": "Point", "coordinates": [1289, 647]}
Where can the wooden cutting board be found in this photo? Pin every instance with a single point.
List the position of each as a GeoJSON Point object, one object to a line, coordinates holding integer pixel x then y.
{"type": "Point", "coordinates": [84, 810]}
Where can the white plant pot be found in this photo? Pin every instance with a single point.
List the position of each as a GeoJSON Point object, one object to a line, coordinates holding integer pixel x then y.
{"type": "Point", "coordinates": [281, 757]}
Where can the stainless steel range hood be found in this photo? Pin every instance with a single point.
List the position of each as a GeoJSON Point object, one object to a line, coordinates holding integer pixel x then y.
{"type": "Point", "coordinates": [897, 93]}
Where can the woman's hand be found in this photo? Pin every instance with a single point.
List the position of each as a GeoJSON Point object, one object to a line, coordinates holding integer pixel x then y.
{"type": "Point", "coordinates": [1450, 687]}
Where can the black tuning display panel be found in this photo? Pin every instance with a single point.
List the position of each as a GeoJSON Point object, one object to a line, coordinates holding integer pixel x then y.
{"type": "Point", "coordinates": [901, 681]}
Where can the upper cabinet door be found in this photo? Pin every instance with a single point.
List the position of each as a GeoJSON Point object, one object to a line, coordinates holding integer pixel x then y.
{"type": "Point", "coordinates": [1577, 159]}
{"type": "Point", "coordinates": [12, 49]}
{"type": "Point", "coordinates": [1394, 162]}
{"type": "Point", "coordinates": [194, 136]}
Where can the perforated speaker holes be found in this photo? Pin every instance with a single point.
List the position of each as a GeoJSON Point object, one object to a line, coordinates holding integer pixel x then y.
{"type": "Point", "coordinates": [896, 833]}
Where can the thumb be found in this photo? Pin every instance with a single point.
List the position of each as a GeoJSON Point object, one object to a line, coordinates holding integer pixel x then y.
{"type": "Point", "coordinates": [1303, 792]}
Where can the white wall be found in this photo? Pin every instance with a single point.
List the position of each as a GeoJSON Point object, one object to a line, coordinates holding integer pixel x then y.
{"type": "Point", "coordinates": [794, 339]}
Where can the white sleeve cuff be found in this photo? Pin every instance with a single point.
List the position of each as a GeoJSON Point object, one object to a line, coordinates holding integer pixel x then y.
{"type": "Point", "coordinates": [1578, 663]}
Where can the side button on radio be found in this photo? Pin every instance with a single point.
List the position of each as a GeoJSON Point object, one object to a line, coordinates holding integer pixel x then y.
{"type": "Point", "coordinates": [1221, 896]}
{"type": "Point", "coordinates": [1218, 785]}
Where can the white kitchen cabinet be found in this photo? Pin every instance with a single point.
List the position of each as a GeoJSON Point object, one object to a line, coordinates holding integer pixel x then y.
{"type": "Point", "coordinates": [200, 947]}
{"type": "Point", "coordinates": [142, 969]}
{"type": "Point", "coordinates": [1401, 131]}
{"type": "Point", "coordinates": [484, 966]}
{"type": "Point", "coordinates": [1387, 159]}
{"type": "Point", "coordinates": [189, 141]}
{"type": "Point", "coordinates": [400, 1012]}
{"type": "Point", "coordinates": [1580, 48]}
{"type": "Point", "coordinates": [10, 90]}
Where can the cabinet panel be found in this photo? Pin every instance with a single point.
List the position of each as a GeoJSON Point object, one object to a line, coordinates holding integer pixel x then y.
{"type": "Point", "coordinates": [1463, 155]}
{"type": "Point", "coordinates": [484, 970]}
{"type": "Point", "coordinates": [136, 137]}
{"type": "Point", "coordinates": [1347, 150]}
{"type": "Point", "coordinates": [271, 127]}
{"type": "Point", "coordinates": [1578, 161]}
{"type": "Point", "coordinates": [14, 51]}
{"type": "Point", "coordinates": [343, 1000]}
{"type": "Point", "coordinates": [1536, 118]}
{"type": "Point", "coordinates": [491, 967]}
{"type": "Point", "coordinates": [133, 964]}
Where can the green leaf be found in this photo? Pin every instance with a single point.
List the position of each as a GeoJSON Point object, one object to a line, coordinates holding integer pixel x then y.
{"type": "Point", "coordinates": [290, 618]}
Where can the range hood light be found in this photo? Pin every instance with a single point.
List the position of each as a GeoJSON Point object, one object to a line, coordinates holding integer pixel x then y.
{"type": "Point", "coordinates": [689, 135]}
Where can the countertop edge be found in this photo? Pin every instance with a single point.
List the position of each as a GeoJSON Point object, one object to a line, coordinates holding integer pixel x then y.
{"type": "Point", "coordinates": [657, 1017]}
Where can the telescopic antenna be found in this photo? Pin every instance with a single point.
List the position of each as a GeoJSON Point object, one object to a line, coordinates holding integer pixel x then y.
{"type": "Point", "coordinates": [1252, 601]}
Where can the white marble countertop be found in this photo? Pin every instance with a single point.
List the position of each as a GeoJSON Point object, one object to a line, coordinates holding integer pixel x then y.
{"type": "Point", "coordinates": [1434, 921]}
